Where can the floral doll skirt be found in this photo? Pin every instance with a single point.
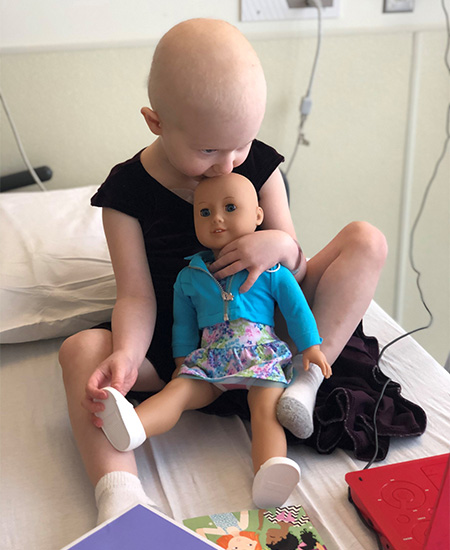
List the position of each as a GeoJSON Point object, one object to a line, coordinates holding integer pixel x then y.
{"type": "Point", "coordinates": [239, 354]}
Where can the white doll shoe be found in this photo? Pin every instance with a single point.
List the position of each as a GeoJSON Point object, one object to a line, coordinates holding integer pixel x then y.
{"type": "Point", "coordinates": [275, 481]}
{"type": "Point", "coordinates": [121, 424]}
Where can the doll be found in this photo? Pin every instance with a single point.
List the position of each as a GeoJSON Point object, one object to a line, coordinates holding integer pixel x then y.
{"type": "Point", "coordinates": [238, 348]}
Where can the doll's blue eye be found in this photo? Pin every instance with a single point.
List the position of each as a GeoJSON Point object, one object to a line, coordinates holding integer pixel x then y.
{"type": "Point", "coordinates": [230, 207]}
{"type": "Point", "coordinates": [205, 212]}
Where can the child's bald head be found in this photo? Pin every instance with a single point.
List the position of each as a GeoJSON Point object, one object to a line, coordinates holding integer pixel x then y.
{"type": "Point", "coordinates": [206, 67]}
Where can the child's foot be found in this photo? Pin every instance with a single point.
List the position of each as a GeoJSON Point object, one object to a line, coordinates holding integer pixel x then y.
{"type": "Point", "coordinates": [296, 405]}
{"type": "Point", "coordinates": [121, 424]}
{"type": "Point", "coordinates": [116, 492]}
{"type": "Point", "coordinates": [275, 481]}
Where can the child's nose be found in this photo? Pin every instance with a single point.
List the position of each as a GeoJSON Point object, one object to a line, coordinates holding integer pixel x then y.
{"type": "Point", "coordinates": [225, 165]}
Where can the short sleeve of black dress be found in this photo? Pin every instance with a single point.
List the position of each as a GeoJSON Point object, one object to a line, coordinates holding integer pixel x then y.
{"type": "Point", "coordinates": [262, 160]}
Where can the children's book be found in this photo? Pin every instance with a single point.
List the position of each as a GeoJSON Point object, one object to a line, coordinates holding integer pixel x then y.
{"type": "Point", "coordinates": [287, 528]}
{"type": "Point", "coordinates": [141, 528]}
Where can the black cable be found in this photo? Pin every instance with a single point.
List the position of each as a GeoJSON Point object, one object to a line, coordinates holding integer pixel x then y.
{"type": "Point", "coordinates": [411, 248]}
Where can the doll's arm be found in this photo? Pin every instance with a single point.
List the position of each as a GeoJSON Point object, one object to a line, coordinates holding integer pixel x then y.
{"type": "Point", "coordinates": [299, 318]}
{"type": "Point", "coordinates": [185, 330]}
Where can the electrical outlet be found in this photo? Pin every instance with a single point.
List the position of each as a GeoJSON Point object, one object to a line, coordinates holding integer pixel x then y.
{"type": "Point", "coordinates": [394, 6]}
{"type": "Point", "coordinates": [272, 10]}
{"type": "Point", "coordinates": [308, 3]}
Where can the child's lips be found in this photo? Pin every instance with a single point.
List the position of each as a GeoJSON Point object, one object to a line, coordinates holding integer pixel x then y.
{"type": "Point", "coordinates": [219, 230]}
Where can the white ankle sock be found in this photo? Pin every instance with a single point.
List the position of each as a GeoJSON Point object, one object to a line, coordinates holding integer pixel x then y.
{"type": "Point", "coordinates": [116, 492]}
{"type": "Point", "coordinates": [296, 406]}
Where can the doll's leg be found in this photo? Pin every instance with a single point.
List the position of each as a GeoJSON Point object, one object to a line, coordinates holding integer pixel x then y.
{"type": "Point", "coordinates": [268, 437]}
{"type": "Point", "coordinates": [339, 284]}
{"type": "Point", "coordinates": [127, 427]}
{"type": "Point", "coordinates": [275, 475]}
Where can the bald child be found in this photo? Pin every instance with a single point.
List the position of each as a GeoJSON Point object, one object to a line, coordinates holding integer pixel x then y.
{"type": "Point", "coordinates": [207, 97]}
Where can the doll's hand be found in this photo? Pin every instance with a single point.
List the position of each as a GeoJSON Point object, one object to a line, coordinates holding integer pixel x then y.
{"type": "Point", "coordinates": [117, 371]}
{"type": "Point", "coordinates": [314, 355]}
{"type": "Point", "coordinates": [254, 252]}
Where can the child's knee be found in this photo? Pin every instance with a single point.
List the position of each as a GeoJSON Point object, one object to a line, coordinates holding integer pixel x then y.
{"type": "Point", "coordinates": [369, 240]}
{"type": "Point", "coordinates": [79, 347]}
{"type": "Point", "coordinates": [67, 350]}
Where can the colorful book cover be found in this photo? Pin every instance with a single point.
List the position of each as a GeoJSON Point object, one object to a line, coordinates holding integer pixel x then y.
{"type": "Point", "coordinates": [141, 528]}
{"type": "Point", "coordinates": [284, 528]}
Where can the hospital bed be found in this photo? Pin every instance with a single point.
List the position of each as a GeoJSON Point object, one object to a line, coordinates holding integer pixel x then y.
{"type": "Point", "coordinates": [56, 279]}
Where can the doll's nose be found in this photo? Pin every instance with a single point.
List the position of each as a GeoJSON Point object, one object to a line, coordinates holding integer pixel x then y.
{"type": "Point", "coordinates": [218, 217]}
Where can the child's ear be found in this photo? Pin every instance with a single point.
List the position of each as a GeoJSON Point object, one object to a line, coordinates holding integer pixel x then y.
{"type": "Point", "coordinates": [152, 120]}
{"type": "Point", "coordinates": [259, 216]}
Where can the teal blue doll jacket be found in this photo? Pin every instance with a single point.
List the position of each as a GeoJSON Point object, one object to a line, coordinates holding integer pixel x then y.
{"type": "Point", "coordinates": [201, 301]}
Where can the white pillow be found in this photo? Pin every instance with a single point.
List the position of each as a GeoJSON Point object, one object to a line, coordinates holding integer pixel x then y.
{"type": "Point", "coordinates": [56, 276]}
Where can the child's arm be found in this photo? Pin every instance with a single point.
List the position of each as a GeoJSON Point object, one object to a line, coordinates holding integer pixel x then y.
{"type": "Point", "coordinates": [261, 250]}
{"type": "Point", "coordinates": [134, 313]}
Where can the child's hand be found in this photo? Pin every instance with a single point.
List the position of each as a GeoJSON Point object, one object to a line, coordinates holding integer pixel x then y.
{"type": "Point", "coordinates": [254, 252]}
{"type": "Point", "coordinates": [314, 355]}
{"type": "Point", "coordinates": [117, 371]}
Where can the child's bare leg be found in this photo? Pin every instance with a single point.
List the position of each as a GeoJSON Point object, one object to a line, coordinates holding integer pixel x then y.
{"type": "Point", "coordinates": [339, 284]}
{"type": "Point", "coordinates": [114, 474]}
{"type": "Point", "coordinates": [275, 475]}
{"type": "Point", "coordinates": [127, 427]}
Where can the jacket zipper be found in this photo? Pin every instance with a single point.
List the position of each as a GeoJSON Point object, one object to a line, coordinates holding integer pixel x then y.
{"type": "Point", "coordinates": [227, 296]}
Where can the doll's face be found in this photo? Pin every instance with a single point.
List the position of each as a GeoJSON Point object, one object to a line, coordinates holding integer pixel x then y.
{"type": "Point", "coordinates": [225, 208]}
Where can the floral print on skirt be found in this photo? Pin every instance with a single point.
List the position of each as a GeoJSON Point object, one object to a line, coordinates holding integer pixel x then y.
{"type": "Point", "coordinates": [239, 350]}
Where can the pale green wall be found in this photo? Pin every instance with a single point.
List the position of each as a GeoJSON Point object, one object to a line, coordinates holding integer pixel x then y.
{"type": "Point", "coordinates": [78, 112]}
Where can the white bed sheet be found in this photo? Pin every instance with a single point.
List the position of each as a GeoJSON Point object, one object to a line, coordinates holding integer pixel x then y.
{"type": "Point", "coordinates": [46, 498]}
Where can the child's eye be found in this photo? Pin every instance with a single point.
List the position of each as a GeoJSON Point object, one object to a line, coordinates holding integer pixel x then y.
{"type": "Point", "coordinates": [208, 151]}
{"type": "Point", "coordinates": [230, 207]}
{"type": "Point", "coordinates": [205, 212]}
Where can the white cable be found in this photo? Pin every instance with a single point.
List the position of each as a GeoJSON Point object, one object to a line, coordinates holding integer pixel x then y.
{"type": "Point", "coordinates": [306, 103]}
{"type": "Point", "coordinates": [447, 24]}
{"type": "Point", "coordinates": [19, 144]}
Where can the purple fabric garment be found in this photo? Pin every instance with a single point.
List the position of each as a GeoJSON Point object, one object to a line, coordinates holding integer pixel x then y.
{"type": "Point", "coordinates": [343, 415]}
